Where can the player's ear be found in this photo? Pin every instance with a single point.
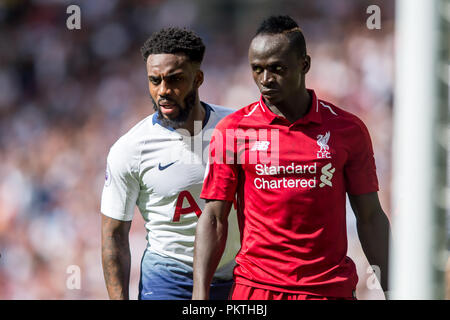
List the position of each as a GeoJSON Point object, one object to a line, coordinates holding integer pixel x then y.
{"type": "Point", "coordinates": [306, 64]}
{"type": "Point", "coordinates": [198, 79]}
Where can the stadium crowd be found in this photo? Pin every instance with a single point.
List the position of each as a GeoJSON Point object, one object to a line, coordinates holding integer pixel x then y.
{"type": "Point", "coordinates": [67, 95]}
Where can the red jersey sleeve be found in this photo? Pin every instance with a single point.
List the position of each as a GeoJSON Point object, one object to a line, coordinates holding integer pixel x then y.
{"type": "Point", "coordinates": [221, 172]}
{"type": "Point", "coordinates": [360, 171]}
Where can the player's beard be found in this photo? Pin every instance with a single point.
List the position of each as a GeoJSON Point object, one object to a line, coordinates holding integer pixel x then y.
{"type": "Point", "coordinates": [183, 113]}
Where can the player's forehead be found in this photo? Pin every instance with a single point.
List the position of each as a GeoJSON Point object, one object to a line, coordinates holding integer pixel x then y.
{"type": "Point", "coordinates": [269, 47]}
{"type": "Point", "coordinates": [168, 63]}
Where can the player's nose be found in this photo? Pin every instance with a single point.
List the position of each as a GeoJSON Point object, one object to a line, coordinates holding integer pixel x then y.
{"type": "Point", "coordinates": [266, 78]}
{"type": "Point", "coordinates": [164, 89]}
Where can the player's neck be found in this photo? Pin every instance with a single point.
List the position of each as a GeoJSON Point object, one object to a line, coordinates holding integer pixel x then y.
{"type": "Point", "coordinates": [294, 107]}
{"type": "Point", "coordinates": [197, 116]}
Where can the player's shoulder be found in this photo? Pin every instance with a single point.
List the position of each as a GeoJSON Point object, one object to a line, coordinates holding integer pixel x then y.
{"type": "Point", "coordinates": [234, 119]}
{"type": "Point", "coordinates": [220, 111]}
{"type": "Point", "coordinates": [128, 145]}
{"type": "Point", "coordinates": [331, 113]}
{"type": "Point", "coordinates": [216, 113]}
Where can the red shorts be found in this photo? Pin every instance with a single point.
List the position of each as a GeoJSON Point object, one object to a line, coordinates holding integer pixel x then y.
{"type": "Point", "coordinates": [243, 292]}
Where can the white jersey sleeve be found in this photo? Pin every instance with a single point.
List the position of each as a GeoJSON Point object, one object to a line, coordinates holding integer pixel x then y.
{"type": "Point", "coordinates": [121, 188]}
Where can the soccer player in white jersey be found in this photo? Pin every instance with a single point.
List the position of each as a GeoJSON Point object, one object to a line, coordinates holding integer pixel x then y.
{"type": "Point", "coordinates": [158, 165]}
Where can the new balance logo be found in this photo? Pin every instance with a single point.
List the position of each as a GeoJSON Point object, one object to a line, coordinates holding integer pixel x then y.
{"type": "Point", "coordinates": [327, 175]}
{"type": "Point", "coordinates": [260, 146]}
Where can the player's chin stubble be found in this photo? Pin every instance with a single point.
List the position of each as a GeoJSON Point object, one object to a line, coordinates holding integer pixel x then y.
{"type": "Point", "coordinates": [183, 113]}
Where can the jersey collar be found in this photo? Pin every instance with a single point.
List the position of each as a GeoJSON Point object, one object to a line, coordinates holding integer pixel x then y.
{"type": "Point", "coordinates": [208, 110]}
{"type": "Point", "coordinates": [313, 114]}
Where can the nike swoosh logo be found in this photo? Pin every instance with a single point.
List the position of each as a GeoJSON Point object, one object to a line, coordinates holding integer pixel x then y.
{"type": "Point", "coordinates": [160, 167]}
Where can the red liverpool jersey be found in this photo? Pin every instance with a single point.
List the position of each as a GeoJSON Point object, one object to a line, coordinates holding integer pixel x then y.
{"type": "Point", "coordinates": [291, 181]}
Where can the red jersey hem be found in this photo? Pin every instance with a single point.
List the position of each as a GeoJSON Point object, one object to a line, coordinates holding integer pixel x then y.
{"type": "Point", "coordinates": [319, 292]}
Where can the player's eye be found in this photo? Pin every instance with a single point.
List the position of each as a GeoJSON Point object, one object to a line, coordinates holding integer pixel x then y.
{"type": "Point", "coordinates": [277, 69]}
{"type": "Point", "coordinates": [257, 69]}
{"type": "Point", "coordinates": [176, 78]}
{"type": "Point", "coordinates": [154, 80]}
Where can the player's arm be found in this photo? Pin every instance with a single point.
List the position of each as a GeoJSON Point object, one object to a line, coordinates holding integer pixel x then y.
{"type": "Point", "coordinates": [373, 231]}
{"type": "Point", "coordinates": [116, 257]}
{"type": "Point", "coordinates": [210, 240]}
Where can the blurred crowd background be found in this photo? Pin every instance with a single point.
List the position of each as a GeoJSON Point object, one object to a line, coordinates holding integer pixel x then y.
{"type": "Point", "coordinates": [67, 95]}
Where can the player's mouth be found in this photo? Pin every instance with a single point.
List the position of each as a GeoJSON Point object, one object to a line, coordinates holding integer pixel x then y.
{"type": "Point", "coordinates": [168, 107]}
{"type": "Point", "coordinates": [269, 92]}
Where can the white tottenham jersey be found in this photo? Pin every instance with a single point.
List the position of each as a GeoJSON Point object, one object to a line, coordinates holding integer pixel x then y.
{"type": "Point", "coordinates": [162, 171]}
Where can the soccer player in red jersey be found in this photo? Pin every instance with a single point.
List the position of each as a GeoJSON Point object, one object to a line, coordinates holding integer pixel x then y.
{"type": "Point", "coordinates": [290, 158]}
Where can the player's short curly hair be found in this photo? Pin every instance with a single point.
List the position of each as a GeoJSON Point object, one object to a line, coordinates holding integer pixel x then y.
{"type": "Point", "coordinates": [174, 40]}
{"type": "Point", "coordinates": [285, 25]}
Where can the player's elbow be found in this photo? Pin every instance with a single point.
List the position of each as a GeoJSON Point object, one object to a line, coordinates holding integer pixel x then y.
{"type": "Point", "coordinates": [210, 222]}
{"type": "Point", "coordinates": [217, 211]}
{"type": "Point", "coordinates": [375, 216]}
{"type": "Point", "coordinates": [214, 221]}
{"type": "Point", "coordinates": [115, 231]}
